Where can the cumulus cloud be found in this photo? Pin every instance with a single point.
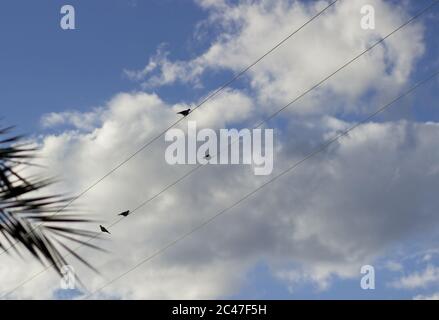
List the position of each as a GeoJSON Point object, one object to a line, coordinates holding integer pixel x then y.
{"type": "Point", "coordinates": [250, 28]}
{"type": "Point", "coordinates": [169, 71]}
{"type": "Point", "coordinates": [338, 211]}
{"type": "Point", "coordinates": [324, 221]}
{"type": "Point", "coordinates": [78, 120]}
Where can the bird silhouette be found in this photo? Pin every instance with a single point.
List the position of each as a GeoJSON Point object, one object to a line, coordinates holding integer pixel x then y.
{"type": "Point", "coordinates": [207, 156]}
{"type": "Point", "coordinates": [124, 214]}
{"type": "Point", "coordinates": [103, 229]}
{"type": "Point", "coordinates": [184, 113]}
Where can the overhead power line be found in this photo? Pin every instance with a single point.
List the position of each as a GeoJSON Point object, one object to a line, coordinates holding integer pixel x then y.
{"type": "Point", "coordinates": [275, 178]}
{"type": "Point", "coordinates": [155, 138]}
{"type": "Point", "coordinates": [270, 117]}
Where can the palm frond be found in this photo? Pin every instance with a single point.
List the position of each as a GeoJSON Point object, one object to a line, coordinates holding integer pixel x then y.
{"type": "Point", "coordinates": [34, 221]}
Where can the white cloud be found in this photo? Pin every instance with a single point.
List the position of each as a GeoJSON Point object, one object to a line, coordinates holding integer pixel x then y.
{"type": "Point", "coordinates": [425, 278]}
{"type": "Point", "coordinates": [329, 218]}
{"type": "Point", "coordinates": [252, 28]}
{"type": "Point", "coordinates": [434, 296]}
{"type": "Point", "coordinates": [169, 71]}
{"type": "Point", "coordinates": [82, 121]}
{"type": "Point", "coordinates": [394, 266]}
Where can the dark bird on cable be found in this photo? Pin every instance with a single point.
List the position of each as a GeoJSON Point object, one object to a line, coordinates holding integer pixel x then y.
{"type": "Point", "coordinates": [124, 214]}
{"type": "Point", "coordinates": [184, 113]}
{"type": "Point", "coordinates": [103, 229]}
{"type": "Point", "coordinates": [207, 156]}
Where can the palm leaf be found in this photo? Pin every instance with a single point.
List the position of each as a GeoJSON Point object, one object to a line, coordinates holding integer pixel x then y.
{"type": "Point", "coordinates": [35, 223]}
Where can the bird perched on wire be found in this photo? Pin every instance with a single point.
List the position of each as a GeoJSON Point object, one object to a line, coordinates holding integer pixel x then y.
{"type": "Point", "coordinates": [184, 113]}
{"type": "Point", "coordinates": [207, 155]}
{"type": "Point", "coordinates": [103, 229]}
{"type": "Point", "coordinates": [124, 214]}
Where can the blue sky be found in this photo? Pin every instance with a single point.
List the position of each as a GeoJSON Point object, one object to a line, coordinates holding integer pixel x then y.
{"type": "Point", "coordinates": [46, 69]}
{"type": "Point", "coordinates": [76, 70]}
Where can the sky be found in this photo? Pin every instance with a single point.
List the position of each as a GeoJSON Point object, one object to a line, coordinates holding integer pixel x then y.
{"type": "Point", "coordinates": [90, 97]}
